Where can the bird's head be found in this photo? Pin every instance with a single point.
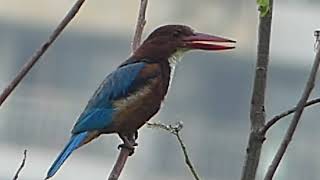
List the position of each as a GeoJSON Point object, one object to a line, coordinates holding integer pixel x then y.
{"type": "Point", "coordinates": [170, 40]}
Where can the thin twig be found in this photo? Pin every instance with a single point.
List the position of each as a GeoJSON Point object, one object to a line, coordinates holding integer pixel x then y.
{"type": "Point", "coordinates": [186, 157]}
{"type": "Point", "coordinates": [257, 110]}
{"type": "Point", "coordinates": [21, 166]}
{"type": "Point", "coordinates": [276, 118]}
{"type": "Point", "coordinates": [295, 120]}
{"type": "Point", "coordinates": [124, 153]}
{"type": "Point", "coordinates": [39, 52]}
{"type": "Point", "coordinates": [175, 130]}
{"type": "Point", "coordinates": [141, 22]}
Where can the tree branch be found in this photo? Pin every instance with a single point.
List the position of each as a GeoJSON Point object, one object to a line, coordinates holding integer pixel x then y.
{"type": "Point", "coordinates": [175, 130]}
{"type": "Point", "coordinates": [39, 52]}
{"type": "Point", "coordinates": [21, 166]}
{"type": "Point", "coordinates": [257, 111]}
{"type": "Point", "coordinates": [296, 118]}
{"type": "Point", "coordinates": [141, 22]}
{"type": "Point", "coordinates": [121, 161]}
{"type": "Point", "coordinates": [276, 118]}
{"type": "Point", "coordinates": [125, 152]}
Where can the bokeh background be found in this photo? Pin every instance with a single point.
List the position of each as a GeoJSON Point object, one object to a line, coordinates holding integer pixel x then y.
{"type": "Point", "coordinates": [210, 94]}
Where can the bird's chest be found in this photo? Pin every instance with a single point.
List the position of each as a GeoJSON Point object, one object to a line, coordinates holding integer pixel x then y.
{"type": "Point", "coordinates": [136, 109]}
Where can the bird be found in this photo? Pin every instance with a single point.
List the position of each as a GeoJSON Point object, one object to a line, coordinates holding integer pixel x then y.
{"type": "Point", "coordinates": [133, 93]}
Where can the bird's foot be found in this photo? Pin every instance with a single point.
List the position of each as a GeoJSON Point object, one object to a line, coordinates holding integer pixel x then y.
{"type": "Point", "coordinates": [128, 143]}
{"type": "Point", "coordinates": [136, 135]}
{"type": "Point", "coordinates": [128, 146]}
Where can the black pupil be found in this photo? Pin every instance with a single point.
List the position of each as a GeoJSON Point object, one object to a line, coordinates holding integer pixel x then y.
{"type": "Point", "coordinates": [176, 33]}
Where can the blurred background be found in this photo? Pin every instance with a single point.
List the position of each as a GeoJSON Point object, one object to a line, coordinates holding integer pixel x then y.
{"type": "Point", "coordinates": [210, 94]}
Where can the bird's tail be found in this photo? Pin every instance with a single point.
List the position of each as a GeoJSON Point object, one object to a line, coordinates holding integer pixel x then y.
{"type": "Point", "coordinates": [75, 142]}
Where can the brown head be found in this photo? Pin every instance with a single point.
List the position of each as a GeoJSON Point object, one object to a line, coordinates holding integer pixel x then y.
{"type": "Point", "coordinates": [168, 40]}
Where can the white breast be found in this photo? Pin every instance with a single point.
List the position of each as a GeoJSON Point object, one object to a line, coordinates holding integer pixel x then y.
{"type": "Point", "coordinates": [173, 60]}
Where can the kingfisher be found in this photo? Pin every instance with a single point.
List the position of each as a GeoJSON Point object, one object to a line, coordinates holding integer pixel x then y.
{"type": "Point", "coordinates": [132, 94]}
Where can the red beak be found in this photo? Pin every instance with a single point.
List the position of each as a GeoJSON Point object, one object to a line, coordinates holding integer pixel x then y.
{"type": "Point", "coordinates": [208, 42]}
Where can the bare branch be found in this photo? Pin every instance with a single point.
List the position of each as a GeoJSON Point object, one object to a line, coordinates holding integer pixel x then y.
{"type": "Point", "coordinates": [296, 118]}
{"type": "Point", "coordinates": [257, 111]}
{"type": "Point", "coordinates": [121, 161]}
{"type": "Point", "coordinates": [175, 130]}
{"type": "Point", "coordinates": [21, 166]}
{"type": "Point", "coordinates": [276, 118]}
{"type": "Point", "coordinates": [124, 153]}
{"type": "Point", "coordinates": [141, 22]}
{"type": "Point", "coordinates": [39, 52]}
{"type": "Point", "coordinates": [186, 157]}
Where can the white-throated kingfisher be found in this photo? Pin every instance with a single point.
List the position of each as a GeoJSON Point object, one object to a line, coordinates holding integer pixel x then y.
{"type": "Point", "coordinates": [133, 93]}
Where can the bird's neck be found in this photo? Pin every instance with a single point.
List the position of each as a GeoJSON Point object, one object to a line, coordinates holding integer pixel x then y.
{"type": "Point", "coordinates": [173, 60]}
{"type": "Point", "coordinates": [168, 65]}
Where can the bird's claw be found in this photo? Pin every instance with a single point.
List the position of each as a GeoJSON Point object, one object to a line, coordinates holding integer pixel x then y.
{"type": "Point", "coordinates": [128, 143]}
{"type": "Point", "coordinates": [136, 135]}
{"type": "Point", "coordinates": [129, 147]}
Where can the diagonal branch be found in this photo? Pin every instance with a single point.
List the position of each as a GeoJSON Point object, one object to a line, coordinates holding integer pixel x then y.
{"type": "Point", "coordinates": [39, 52]}
{"type": "Point", "coordinates": [140, 25]}
{"type": "Point", "coordinates": [21, 166]}
{"type": "Point", "coordinates": [257, 110]}
{"type": "Point", "coordinates": [295, 120]}
{"type": "Point", "coordinates": [125, 152]}
{"type": "Point", "coordinates": [276, 118]}
{"type": "Point", "coordinates": [121, 161]}
{"type": "Point", "coordinates": [175, 130]}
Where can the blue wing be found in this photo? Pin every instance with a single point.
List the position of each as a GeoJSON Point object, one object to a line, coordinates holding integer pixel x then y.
{"type": "Point", "coordinates": [99, 111]}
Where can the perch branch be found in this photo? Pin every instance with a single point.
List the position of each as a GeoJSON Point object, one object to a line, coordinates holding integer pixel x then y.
{"type": "Point", "coordinates": [276, 118]}
{"type": "Point", "coordinates": [21, 166]}
{"type": "Point", "coordinates": [257, 110]}
{"type": "Point", "coordinates": [141, 22]}
{"type": "Point", "coordinates": [39, 52]}
{"type": "Point", "coordinates": [121, 161]}
{"type": "Point", "coordinates": [175, 130]}
{"type": "Point", "coordinates": [296, 117]}
{"type": "Point", "coordinates": [124, 153]}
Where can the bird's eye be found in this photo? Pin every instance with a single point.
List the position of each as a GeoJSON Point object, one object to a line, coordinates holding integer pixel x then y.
{"type": "Point", "coordinates": [176, 33]}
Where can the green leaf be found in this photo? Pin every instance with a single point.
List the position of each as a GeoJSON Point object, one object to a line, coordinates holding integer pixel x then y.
{"type": "Point", "coordinates": [264, 7]}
